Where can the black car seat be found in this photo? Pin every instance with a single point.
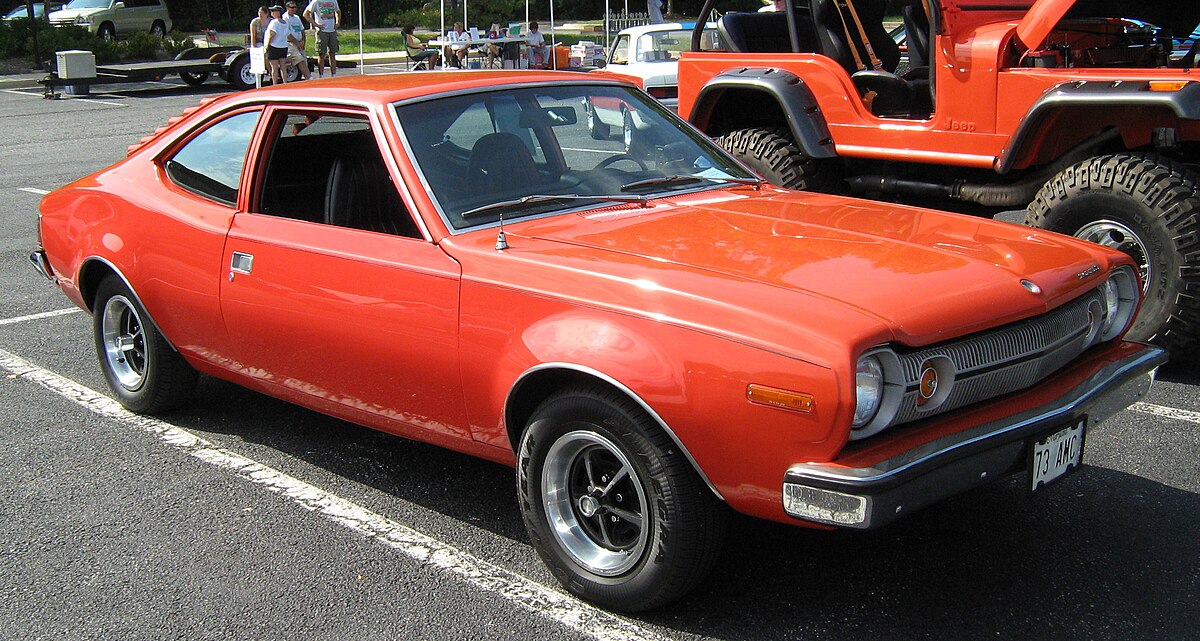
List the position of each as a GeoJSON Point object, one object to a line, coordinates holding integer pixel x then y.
{"type": "Point", "coordinates": [359, 194]}
{"type": "Point", "coordinates": [500, 163]}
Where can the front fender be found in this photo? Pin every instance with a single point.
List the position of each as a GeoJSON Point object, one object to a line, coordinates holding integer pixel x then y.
{"type": "Point", "coordinates": [1083, 102]}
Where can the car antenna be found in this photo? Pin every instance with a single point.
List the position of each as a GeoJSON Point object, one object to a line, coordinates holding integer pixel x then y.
{"type": "Point", "coordinates": [501, 239]}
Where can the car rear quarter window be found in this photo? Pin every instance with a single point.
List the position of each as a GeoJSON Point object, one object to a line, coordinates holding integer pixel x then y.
{"type": "Point", "coordinates": [211, 163]}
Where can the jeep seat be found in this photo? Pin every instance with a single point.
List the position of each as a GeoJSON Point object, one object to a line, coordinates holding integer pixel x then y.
{"type": "Point", "coordinates": [831, 33]}
{"type": "Point", "coordinates": [747, 32]}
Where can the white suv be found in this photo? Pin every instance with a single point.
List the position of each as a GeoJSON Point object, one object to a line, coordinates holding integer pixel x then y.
{"type": "Point", "coordinates": [110, 18]}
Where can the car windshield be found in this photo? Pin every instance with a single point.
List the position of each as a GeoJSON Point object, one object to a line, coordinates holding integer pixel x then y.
{"type": "Point", "coordinates": [88, 4]}
{"type": "Point", "coordinates": [658, 46]}
{"type": "Point", "coordinates": [555, 148]}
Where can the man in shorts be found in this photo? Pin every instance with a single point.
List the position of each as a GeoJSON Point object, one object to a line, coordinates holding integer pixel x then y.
{"type": "Point", "coordinates": [296, 56]}
{"type": "Point", "coordinates": [326, 15]}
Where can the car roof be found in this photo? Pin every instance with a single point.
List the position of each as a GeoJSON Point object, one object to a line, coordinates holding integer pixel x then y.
{"type": "Point", "coordinates": [639, 30]}
{"type": "Point", "coordinates": [389, 88]}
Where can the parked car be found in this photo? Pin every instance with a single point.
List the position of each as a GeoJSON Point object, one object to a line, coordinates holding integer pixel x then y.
{"type": "Point", "coordinates": [39, 11]}
{"type": "Point", "coordinates": [650, 53]}
{"type": "Point", "coordinates": [112, 18]}
{"type": "Point", "coordinates": [650, 337]}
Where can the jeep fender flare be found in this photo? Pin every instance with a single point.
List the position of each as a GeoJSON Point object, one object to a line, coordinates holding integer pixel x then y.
{"type": "Point", "coordinates": [739, 98]}
{"type": "Point", "coordinates": [1078, 96]}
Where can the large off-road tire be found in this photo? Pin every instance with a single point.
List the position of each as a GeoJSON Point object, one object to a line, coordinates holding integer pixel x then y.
{"type": "Point", "coordinates": [1146, 207]}
{"type": "Point", "coordinates": [774, 154]}
{"type": "Point", "coordinates": [147, 375]}
{"type": "Point", "coordinates": [611, 505]}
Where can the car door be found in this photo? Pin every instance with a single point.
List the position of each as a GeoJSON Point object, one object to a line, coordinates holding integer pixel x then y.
{"type": "Point", "coordinates": [333, 296]}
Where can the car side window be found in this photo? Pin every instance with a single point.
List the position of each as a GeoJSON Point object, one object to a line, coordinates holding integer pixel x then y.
{"type": "Point", "coordinates": [620, 52]}
{"type": "Point", "coordinates": [211, 164]}
{"type": "Point", "coordinates": [325, 167]}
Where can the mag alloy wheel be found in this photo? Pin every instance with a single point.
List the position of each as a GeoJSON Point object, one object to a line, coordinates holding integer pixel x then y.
{"type": "Point", "coordinates": [593, 491]}
{"type": "Point", "coordinates": [123, 342]}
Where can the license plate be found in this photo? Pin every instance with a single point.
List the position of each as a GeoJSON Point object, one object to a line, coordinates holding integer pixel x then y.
{"type": "Point", "coordinates": [1056, 455]}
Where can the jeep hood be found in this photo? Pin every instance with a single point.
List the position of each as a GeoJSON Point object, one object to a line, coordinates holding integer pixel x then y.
{"type": "Point", "coordinates": [1180, 17]}
{"type": "Point", "coordinates": [819, 263]}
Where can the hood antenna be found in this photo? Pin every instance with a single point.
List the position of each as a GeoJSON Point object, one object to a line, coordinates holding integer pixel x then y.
{"type": "Point", "coordinates": [501, 239]}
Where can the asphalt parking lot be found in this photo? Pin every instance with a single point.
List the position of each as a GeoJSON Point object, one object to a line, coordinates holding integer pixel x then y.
{"type": "Point", "coordinates": [243, 517]}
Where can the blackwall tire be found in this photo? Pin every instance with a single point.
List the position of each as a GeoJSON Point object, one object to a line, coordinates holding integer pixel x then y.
{"type": "Point", "coordinates": [1147, 208]}
{"type": "Point", "coordinates": [774, 154]}
{"type": "Point", "coordinates": [158, 29]}
{"type": "Point", "coordinates": [147, 375]}
{"type": "Point", "coordinates": [612, 507]}
{"type": "Point", "coordinates": [238, 74]}
{"type": "Point", "coordinates": [107, 32]}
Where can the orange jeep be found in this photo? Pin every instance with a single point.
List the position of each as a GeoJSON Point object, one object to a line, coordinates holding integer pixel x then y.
{"type": "Point", "coordinates": [1078, 112]}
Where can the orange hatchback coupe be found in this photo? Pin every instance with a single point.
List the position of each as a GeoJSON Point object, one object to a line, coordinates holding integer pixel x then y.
{"type": "Point", "coordinates": [652, 336]}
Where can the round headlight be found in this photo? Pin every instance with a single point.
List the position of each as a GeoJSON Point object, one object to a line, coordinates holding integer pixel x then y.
{"type": "Point", "coordinates": [868, 389]}
{"type": "Point", "coordinates": [1120, 302]}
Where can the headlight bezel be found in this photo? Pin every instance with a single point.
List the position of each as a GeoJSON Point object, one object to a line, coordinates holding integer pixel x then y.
{"type": "Point", "coordinates": [889, 391]}
{"type": "Point", "coordinates": [1122, 296]}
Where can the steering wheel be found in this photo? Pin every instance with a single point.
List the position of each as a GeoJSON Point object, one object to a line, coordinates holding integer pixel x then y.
{"type": "Point", "coordinates": [616, 158]}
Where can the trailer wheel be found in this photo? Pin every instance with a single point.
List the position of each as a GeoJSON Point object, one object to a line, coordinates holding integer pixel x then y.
{"type": "Point", "coordinates": [193, 79]}
{"type": "Point", "coordinates": [1148, 210]}
{"type": "Point", "coordinates": [238, 73]}
{"type": "Point", "coordinates": [774, 154]}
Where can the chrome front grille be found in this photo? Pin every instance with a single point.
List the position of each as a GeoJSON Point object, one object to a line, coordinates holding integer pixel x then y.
{"type": "Point", "coordinates": [996, 362]}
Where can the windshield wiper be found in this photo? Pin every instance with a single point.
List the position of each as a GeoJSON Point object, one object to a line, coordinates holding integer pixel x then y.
{"type": "Point", "coordinates": [538, 198]}
{"type": "Point", "coordinates": [670, 180]}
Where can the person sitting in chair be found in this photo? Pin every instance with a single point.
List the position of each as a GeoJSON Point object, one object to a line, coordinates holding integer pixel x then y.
{"type": "Point", "coordinates": [419, 53]}
{"type": "Point", "coordinates": [539, 52]}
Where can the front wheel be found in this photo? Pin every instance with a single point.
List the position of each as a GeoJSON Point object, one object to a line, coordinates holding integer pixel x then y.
{"type": "Point", "coordinates": [238, 73]}
{"type": "Point", "coordinates": [158, 29]}
{"type": "Point", "coordinates": [1147, 209]}
{"type": "Point", "coordinates": [147, 375]}
{"type": "Point", "coordinates": [612, 507]}
{"type": "Point", "coordinates": [773, 153]}
{"type": "Point", "coordinates": [107, 32]}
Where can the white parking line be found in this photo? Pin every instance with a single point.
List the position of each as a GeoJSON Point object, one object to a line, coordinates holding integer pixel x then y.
{"type": "Point", "coordinates": [1166, 412]}
{"type": "Point", "coordinates": [33, 190]}
{"type": "Point", "coordinates": [31, 317]}
{"type": "Point", "coordinates": [524, 592]}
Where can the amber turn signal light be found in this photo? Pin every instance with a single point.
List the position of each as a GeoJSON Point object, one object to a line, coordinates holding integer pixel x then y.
{"type": "Point", "coordinates": [1168, 85]}
{"type": "Point", "coordinates": [781, 398]}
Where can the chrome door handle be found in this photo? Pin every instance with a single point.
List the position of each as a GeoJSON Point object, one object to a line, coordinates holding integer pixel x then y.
{"type": "Point", "coordinates": [240, 263]}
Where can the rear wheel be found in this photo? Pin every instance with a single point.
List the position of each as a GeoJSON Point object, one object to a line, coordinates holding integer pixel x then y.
{"type": "Point", "coordinates": [773, 153]}
{"type": "Point", "coordinates": [613, 508]}
{"type": "Point", "coordinates": [1148, 210]}
{"type": "Point", "coordinates": [146, 374]}
{"type": "Point", "coordinates": [158, 29]}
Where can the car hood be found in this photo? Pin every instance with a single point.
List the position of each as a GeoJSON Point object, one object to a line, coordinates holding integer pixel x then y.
{"type": "Point", "coordinates": [71, 14]}
{"type": "Point", "coordinates": [790, 268]}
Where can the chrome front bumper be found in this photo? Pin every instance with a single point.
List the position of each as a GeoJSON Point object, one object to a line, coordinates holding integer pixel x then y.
{"type": "Point", "coordinates": [873, 495]}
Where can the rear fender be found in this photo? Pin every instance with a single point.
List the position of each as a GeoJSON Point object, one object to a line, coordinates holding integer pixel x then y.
{"type": "Point", "coordinates": [757, 96]}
